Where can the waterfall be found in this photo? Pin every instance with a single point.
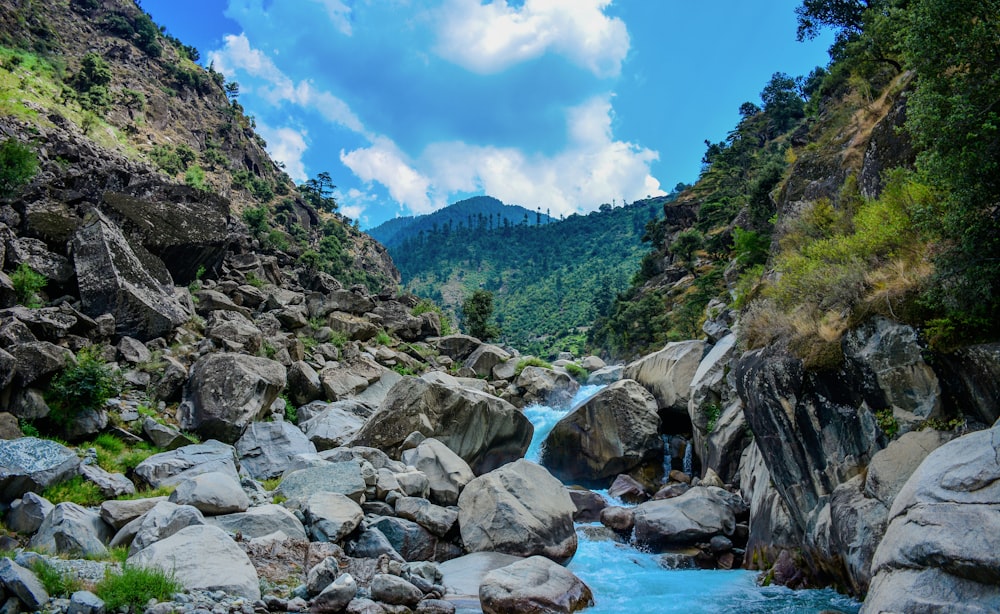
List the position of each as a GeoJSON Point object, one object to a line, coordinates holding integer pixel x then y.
{"type": "Point", "coordinates": [688, 458]}
{"type": "Point", "coordinates": [668, 456]}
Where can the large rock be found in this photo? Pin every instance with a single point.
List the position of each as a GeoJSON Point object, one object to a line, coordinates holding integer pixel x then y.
{"type": "Point", "coordinates": [893, 355]}
{"type": "Point", "coordinates": [203, 558]}
{"type": "Point", "coordinates": [231, 329]}
{"type": "Point", "coordinates": [22, 584]}
{"type": "Point", "coordinates": [29, 464]}
{"type": "Point", "coordinates": [518, 509]}
{"type": "Point", "coordinates": [211, 493]}
{"type": "Point", "coordinates": [119, 513]}
{"type": "Point", "coordinates": [165, 519]}
{"type": "Point", "coordinates": [484, 430]}
{"type": "Point", "coordinates": [343, 477]}
{"type": "Point", "coordinates": [266, 448]}
{"type": "Point", "coordinates": [27, 513]}
{"type": "Point", "coordinates": [970, 378]}
{"type": "Point", "coordinates": [260, 521]}
{"type": "Point", "coordinates": [668, 375]}
{"type": "Point", "coordinates": [726, 441]}
{"type": "Point", "coordinates": [457, 347]}
{"type": "Point", "coordinates": [535, 584]}
{"type": "Point", "coordinates": [304, 385]}
{"type": "Point", "coordinates": [72, 529]}
{"type": "Point", "coordinates": [463, 575]}
{"type": "Point", "coordinates": [350, 378]}
{"type": "Point", "coordinates": [614, 432]}
{"type": "Point", "coordinates": [36, 362]}
{"type": "Point", "coordinates": [697, 515]}
{"type": "Point", "coordinates": [546, 386]}
{"type": "Point", "coordinates": [709, 394]}
{"type": "Point", "coordinates": [484, 358]}
{"type": "Point", "coordinates": [226, 392]}
{"type": "Point", "coordinates": [447, 474]}
{"type": "Point", "coordinates": [124, 280]}
{"type": "Point", "coordinates": [331, 516]}
{"type": "Point", "coordinates": [394, 590]}
{"type": "Point", "coordinates": [436, 519]}
{"type": "Point", "coordinates": [171, 468]}
{"type": "Point", "coordinates": [943, 538]}
{"type": "Point", "coordinates": [337, 423]}
{"type": "Point", "coordinates": [413, 542]}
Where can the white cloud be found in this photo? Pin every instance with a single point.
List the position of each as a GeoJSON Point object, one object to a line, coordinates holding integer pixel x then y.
{"type": "Point", "coordinates": [487, 38]}
{"type": "Point", "coordinates": [238, 55]}
{"type": "Point", "coordinates": [385, 163]}
{"type": "Point", "coordinates": [340, 15]}
{"type": "Point", "coordinates": [593, 169]}
{"type": "Point", "coordinates": [287, 146]}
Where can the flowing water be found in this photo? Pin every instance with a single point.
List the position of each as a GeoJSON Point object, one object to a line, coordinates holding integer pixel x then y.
{"type": "Point", "coordinates": [625, 579]}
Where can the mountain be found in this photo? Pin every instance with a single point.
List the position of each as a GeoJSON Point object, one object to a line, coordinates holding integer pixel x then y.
{"type": "Point", "coordinates": [549, 280]}
{"type": "Point", "coordinates": [478, 211]}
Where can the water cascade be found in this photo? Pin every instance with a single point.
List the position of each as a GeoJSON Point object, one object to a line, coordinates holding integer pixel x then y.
{"type": "Point", "coordinates": [625, 579]}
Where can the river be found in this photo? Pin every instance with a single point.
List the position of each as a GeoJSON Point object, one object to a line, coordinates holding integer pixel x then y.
{"type": "Point", "coordinates": [625, 579]}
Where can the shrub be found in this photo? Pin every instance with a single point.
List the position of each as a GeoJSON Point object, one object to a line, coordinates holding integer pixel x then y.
{"type": "Point", "coordinates": [135, 586]}
{"type": "Point", "coordinates": [383, 338]}
{"type": "Point", "coordinates": [291, 413]}
{"type": "Point", "coordinates": [85, 386]}
{"type": "Point", "coordinates": [75, 490]}
{"type": "Point", "coordinates": [338, 339]}
{"type": "Point", "coordinates": [577, 372]}
{"type": "Point", "coordinates": [195, 178]}
{"type": "Point", "coordinates": [530, 362]}
{"type": "Point", "coordinates": [57, 583]}
{"type": "Point", "coordinates": [18, 164]}
{"type": "Point", "coordinates": [27, 284]}
{"type": "Point", "coordinates": [256, 219]}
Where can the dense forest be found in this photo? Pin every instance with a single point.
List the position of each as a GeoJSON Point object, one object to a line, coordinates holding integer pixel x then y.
{"type": "Point", "coordinates": [797, 229]}
{"type": "Point", "coordinates": [550, 279]}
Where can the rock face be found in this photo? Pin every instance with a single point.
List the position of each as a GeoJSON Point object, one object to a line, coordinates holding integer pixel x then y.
{"type": "Point", "coordinates": [970, 378]}
{"type": "Point", "coordinates": [668, 375]}
{"type": "Point", "coordinates": [535, 584]}
{"type": "Point", "coordinates": [124, 280]}
{"type": "Point", "coordinates": [613, 432]}
{"type": "Point", "coordinates": [518, 509]}
{"type": "Point", "coordinates": [226, 392]}
{"type": "Point", "coordinates": [941, 546]}
{"type": "Point", "coordinates": [484, 430]}
{"type": "Point", "coordinates": [203, 557]}
{"type": "Point", "coordinates": [32, 465]}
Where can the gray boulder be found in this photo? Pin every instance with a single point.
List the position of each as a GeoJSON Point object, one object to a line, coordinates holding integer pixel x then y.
{"type": "Point", "coordinates": [395, 590]}
{"type": "Point", "coordinates": [304, 385]}
{"type": "Point", "coordinates": [85, 602]}
{"type": "Point", "coordinates": [171, 468]}
{"type": "Point", "coordinates": [211, 493]}
{"type": "Point", "coordinates": [29, 464]}
{"type": "Point", "coordinates": [203, 558]}
{"type": "Point", "coordinates": [337, 424]}
{"type": "Point", "coordinates": [614, 432]}
{"type": "Point", "coordinates": [162, 521]}
{"type": "Point", "coordinates": [226, 392]}
{"type": "Point", "coordinates": [343, 477]}
{"type": "Point", "coordinates": [970, 378]}
{"type": "Point", "coordinates": [546, 386]}
{"type": "Point", "coordinates": [697, 515]}
{"type": "Point", "coordinates": [447, 474]}
{"type": "Point", "coordinates": [606, 375]}
{"type": "Point", "coordinates": [72, 529]}
{"type": "Point", "coordinates": [668, 374]}
{"type": "Point", "coordinates": [163, 436]}
{"type": "Point", "coordinates": [36, 362]}
{"type": "Point", "coordinates": [119, 513]}
{"type": "Point", "coordinates": [351, 378]}
{"type": "Point", "coordinates": [484, 430]}
{"type": "Point", "coordinates": [464, 575]}
{"type": "Point", "coordinates": [331, 516]}
{"type": "Point", "coordinates": [124, 280]}
{"type": "Point", "coordinates": [709, 389]}
{"type": "Point", "coordinates": [260, 521]}
{"type": "Point", "coordinates": [266, 448]}
{"type": "Point", "coordinates": [535, 584]}
{"type": "Point", "coordinates": [23, 584]}
{"type": "Point", "coordinates": [336, 595]}
{"type": "Point", "coordinates": [457, 347]}
{"type": "Point", "coordinates": [436, 519]}
{"type": "Point", "coordinates": [27, 513]}
{"type": "Point", "coordinates": [232, 330]}
{"type": "Point", "coordinates": [484, 358]}
{"type": "Point", "coordinates": [518, 509]}
{"type": "Point", "coordinates": [111, 485]}
{"type": "Point", "coordinates": [413, 542]}
{"type": "Point", "coordinates": [133, 351]}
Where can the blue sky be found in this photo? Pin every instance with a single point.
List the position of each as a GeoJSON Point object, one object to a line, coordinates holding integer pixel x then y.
{"type": "Point", "coordinates": [559, 104]}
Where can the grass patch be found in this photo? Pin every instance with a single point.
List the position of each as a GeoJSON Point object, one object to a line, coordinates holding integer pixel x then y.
{"type": "Point", "coordinates": [577, 372]}
{"type": "Point", "coordinates": [383, 338]}
{"type": "Point", "coordinates": [530, 362]}
{"type": "Point", "coordinates": [75, 490]}
{"type": "Point", "coordinates": [135, 586]}
{"type": "Point", "coordinates": [160, 491]}
{"type": "Point", "coordinates": [271, 483]}
{"type": "Point", "coordinates": [57, 583]}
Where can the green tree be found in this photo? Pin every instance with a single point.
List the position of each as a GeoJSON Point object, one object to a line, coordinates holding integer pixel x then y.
{"type": "Point", "coordinates": [782, 102]}
{"type": "Point", "coordinates": [685, 245]}
{"type": "Point", "coordinates": [477, 309]}
{"type": "Point", "coordinates": [18, 164]}
{"type": "Point", "coordinates": [954, 117]}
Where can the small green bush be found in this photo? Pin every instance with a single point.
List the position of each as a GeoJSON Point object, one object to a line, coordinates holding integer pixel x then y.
{"type": "Point", "coordinates": [577, 372]}
{"type": "Point", "coordinates": [291, 413]}
{"type": "Point", "coordinates": [75, 490]}
{"type": "Point", "coordinates": [338, 339]}
{"type": "Point", "coordinates": [18, 164]}
{"type": "Point", "coordinates": [85, 386]}
{"type": "Point", "coordinates": [195, 177]}
{"type": "Point", "coordinates": [135, 586]}
{"type": "Point", "coordinates": [56, 583]}
{"type": "Point", "coordinates": [383, 338]}
{"type": "Point", "coordinates": [27, 284]}
{"type": "Point", "coordinates": [530, 362]}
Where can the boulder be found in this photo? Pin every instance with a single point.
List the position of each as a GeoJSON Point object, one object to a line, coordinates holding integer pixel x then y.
{"type": "Point", "coordinates": [203, 558]}
{"type": "Point", "coordinates": [709, 391]}
{"type": "Point", "coordinates": [111, 485]}
{"type": "Point", "coordinates": [615, 431]}
{"type": "Point", "coordinates": [463, 575]}
{"type": "Point", "coordinates": [171, 468]}
{"type": "Point", "coordinates": [23, 584]}
{"type": "Point", "coordinates": [336, 595]}
{"type": "Point", "coordinates": [37, 361]}
{"type": "Point", "coordinates": [266, 448]}
{"type": "Point", "coordinates": [119, 513]}
{"type": "Point", "coordinates": [725, 442]}
{"type": "Point", "coordinates": [164, 436]}
{"type": "Point", "coordinates": [124, 280]}
{"type": "Point", "coordinates": [413, 542]}
{"type": "Point", "coordinates": [588, 504]}
{"type": "Point", "coordinates": [970, 379]}
{"type": "Point", "coordinates": [436, 519]}
{"type": "Point", "coordinates": [162, 521]}
{"type": "Point", "coordinates": [30, 464]}
{"type": "Point", "coordinates": [535, 584]}
{"type": "Point", "coordinates": [331, 516]}
{"type": "Point", "coordinates": [337, 424]}
{"type": "Point", "coordinates": [606, 375]}
{"type": "Point", "coordinates": [35, 254]}
{"type": "Point", "coordinates": [394, 590]}
{"type": "Point", "coordinates": [668, 374]}
{"type": "Point", "coordinates": [226, 392]}
{"type": "Point", "coordinates": [260, 521]}
{"type": "Point", "coordinates": [592, 363]}
{"type": "Point", "coordinates": [85, 602]}
{"type": "Point", "coordinates": [343, 477]}
{"type": "Point", "coordinates": [232, 329]}
{"type": "Point", "coordinates": [518, 509]}
{"type": "Point", "coordinates": [350, 378]}
{"type": "Point", "coordinates": [27, 513]}
{"type": "Point", "coordinates": [943, 537]}
{"type": "Point", "coordinates": [170, 381]}
{"type": "Point", "coordinates": [891, 467]}
{"type": "Point", "coordinates": [484, 430]}
{"type": "Point", "coordinates": [447, 474]}
{"type": "Point", "coordinates": [697, 515]}
{"type": "Point", "coordinates": [353, 327]}
{"type": "Point", "coordinates": [484, 358]}
{"type": "Point", "coordinates": [304, 385]}
{"type": "Point", "coordinates": [457, 347]}
{"type": "Point", "coordinates": [72, 529]}
{"type": "Point", "coordinates": [133, 351]}
{"type": "Point", "coordinates": [546, 386]}
{"type": "Point", "coordinates": [211, 493]}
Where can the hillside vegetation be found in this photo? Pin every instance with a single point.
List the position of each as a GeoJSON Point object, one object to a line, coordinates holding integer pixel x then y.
{"type": "Point", "coordinates": [868, 187]}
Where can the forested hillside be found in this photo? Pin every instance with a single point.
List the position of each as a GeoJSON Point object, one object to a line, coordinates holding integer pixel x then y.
{"type": "Point", "coordinates": [476, 212]}
{"type": "Point", "coordinates": [550, 280]}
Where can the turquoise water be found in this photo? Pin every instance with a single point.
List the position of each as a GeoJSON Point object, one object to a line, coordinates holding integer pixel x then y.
{"type": "Point", "coordinates": [624, 579]}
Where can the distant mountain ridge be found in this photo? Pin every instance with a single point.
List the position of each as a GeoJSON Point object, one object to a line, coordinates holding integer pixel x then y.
{"type": "Point", "coordinates": [465, 213]}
